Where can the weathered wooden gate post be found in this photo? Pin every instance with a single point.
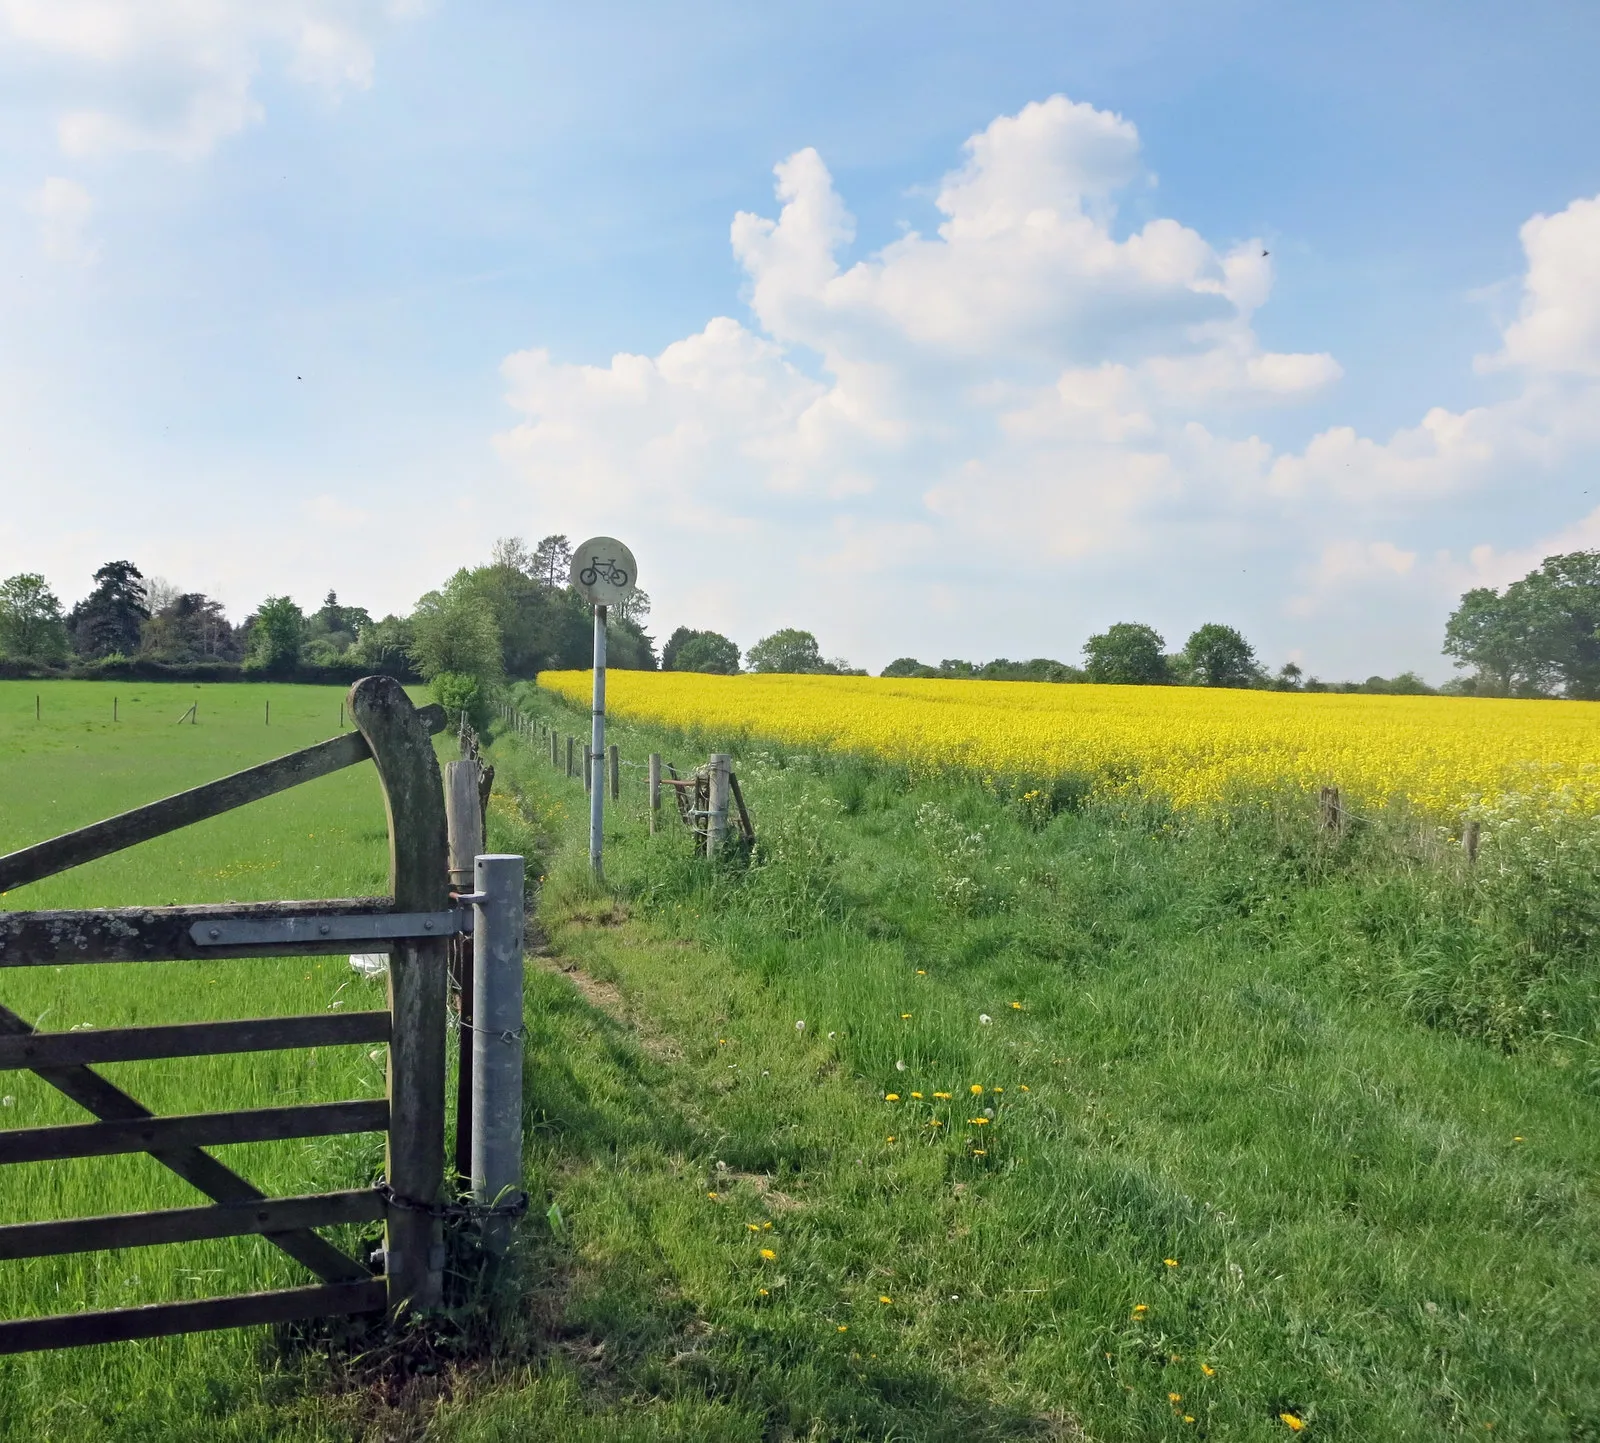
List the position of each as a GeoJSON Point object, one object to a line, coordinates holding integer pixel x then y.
{"type": "Point", "coordinates": [465, 820]}
{"type": "Point", "coordinates": [413, 796]}
{"type": "Point", "coordinates": [717, 801]}
{"type": "Point", "coordinates": [655, 790]}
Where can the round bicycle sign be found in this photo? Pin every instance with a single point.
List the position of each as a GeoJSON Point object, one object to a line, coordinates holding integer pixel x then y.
{"type": "Point", "coordinates": [603, 571]}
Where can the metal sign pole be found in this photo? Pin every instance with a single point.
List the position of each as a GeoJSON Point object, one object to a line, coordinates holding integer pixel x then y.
{"type": "Point", "coordinates": [597, 750]}
{"type": "Point", "coordinates": [604, 574]}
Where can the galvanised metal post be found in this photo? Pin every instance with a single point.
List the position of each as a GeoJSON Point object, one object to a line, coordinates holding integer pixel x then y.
{"type": "Point", "coordinates": [597, 745]}
{"type": "Point", "coordinates": [497, 1040]}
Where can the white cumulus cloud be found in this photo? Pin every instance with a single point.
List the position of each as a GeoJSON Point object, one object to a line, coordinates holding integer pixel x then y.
{"type": "Point", "coordinates": [62, 208]}
{"type": "Point", "coordinates": [177, 76]}
{"type": "Point", "coordinates": [1032, 413]}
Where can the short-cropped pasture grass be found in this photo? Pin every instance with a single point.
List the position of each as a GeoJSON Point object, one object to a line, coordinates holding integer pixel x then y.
{"type": "Point", "coordinates": [73, 765]}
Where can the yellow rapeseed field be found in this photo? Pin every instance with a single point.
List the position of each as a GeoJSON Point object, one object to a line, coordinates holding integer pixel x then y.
{"type": "Point", "coordinates": [1190, 744]}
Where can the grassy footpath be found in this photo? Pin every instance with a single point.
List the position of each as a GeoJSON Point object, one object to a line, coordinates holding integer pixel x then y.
{"type": "Point", "coordinates": [1214, 1190]}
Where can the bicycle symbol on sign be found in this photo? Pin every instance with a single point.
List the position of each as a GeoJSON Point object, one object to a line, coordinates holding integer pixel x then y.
{"type": "Point", "coordinates": [597, 570]}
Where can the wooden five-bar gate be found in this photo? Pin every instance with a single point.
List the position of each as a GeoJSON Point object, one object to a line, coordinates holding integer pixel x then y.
{"type": "Point", "coordinates": [414, 923]}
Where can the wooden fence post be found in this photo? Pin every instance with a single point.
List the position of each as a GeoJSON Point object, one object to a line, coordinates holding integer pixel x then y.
{"type": "Point", "coordinates": [464, 816]}
{"type": "Point", "coordinates": [555, 748]}
{"type": "Point", "coordinates": [570, 744]}
{"type": "Point", "coordinates": [1470, 836]}
{"type": "Point", "coordinates": [588, 768]}
{"type": "Point", "coordinates": [655, 790]}
{"type": "Point", "coordinates": [717, 802]}
{"type": "Point", "coordinates": [615, 761]}
{"type": "Point", "coordinates": [1332, 812]}
{"type": "Point", "coordinates": [413, 796]}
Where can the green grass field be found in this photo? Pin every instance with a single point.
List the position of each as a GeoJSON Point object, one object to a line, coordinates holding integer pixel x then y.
{"type": "Point", "coordinates": [74, 765]}
{"type": "Point", "coordinates": [1228, 1171]}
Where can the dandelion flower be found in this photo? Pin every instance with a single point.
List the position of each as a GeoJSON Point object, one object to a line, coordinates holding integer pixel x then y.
{"type": "Point", "coordinates": [905, 1017]}
{"type": "Point", "coordinates": [1208, 1370]}
{"type": "Point", "coordinates": [754, 1227]}
{"type": "Point", "coordinates": [1170, 1262]}
{"type": "Point", "coordinates": [884, 1298]}
{"type": "Point", "coordinates": [984, 1019]}
{"type": "Point", "coordinates": [891, 1097]}
{"type": "Point", "coordinates": [997, 1089]}
{"type": "Point", "coordinates": [922, 972]}
{"type": "Point", "coordinates": [1174, 1397]}
{"type": "Point", "coordinates": [1023, 1087]}
{"type": "Point", "coordinates": [942, 1096]}
{"type": "Point", "coordinates": [766, 1227]}
{"type": "Point", "coordinates": [976, 1089]}
{"type": "Point", "coordinates": [899, 1066]}
{"type": "Point", "coordinates": [934, 1122]}
{"type": "Point", "coordinates": [844, 1327]}
{"type": "Point", "coordinates": [979, 1121]}
{"type": "Point", "coordinates": [764, 1293]}
{"type": "Point", "coordinates": [1140, 1309]}
{"type": "Point", "coordinates": [890, 1138]}
{"type": "Point", "coordinates": [712, 1196]}
{"type": "Point", "coordinates": [1017, 1007]}
{"type": "Point", "coordinates": [979, 1152]}
{"type": "Point", "coordinates": [917, 1095]}
{"type": "Point", "coordinates": [800, 1026]}
{"type": "Point", "coordinates": [1294, 1424]}
{"type": "Point", "coordinates": [769, 1255]}
{"type": "Point", "coordinates": [1188, 1417]}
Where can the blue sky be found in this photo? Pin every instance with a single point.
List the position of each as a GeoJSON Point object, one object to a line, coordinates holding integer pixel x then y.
{"type": "Point", "coordinates": [331, 294]}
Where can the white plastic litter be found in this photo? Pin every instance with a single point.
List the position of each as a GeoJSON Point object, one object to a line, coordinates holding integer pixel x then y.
{"type": "Point", "coordinates": [370, 964]}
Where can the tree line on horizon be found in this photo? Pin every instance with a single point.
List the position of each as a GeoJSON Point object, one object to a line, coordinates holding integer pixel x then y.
{"type": "Point", "coordinates": [516, 616]}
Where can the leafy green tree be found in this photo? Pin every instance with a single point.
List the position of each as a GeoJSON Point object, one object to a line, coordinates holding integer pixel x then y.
{"type": "Point", "coordinates": [454, 630]}
{"type": "Point", "coordinates": [788, 650]}
{"type": "Point", "coordinates": [190, 627]}
{"type": "Point", "coordinates": [110, 619]}
{"type": "Point", "coordinates": [705, 651]}
{"type": "Point", "coordinates": [384, 648]}
{"type": "Point", "coordinates": [1489, 633]}
{"type": "Point", "coordinates": [1219, 656]}
{"type": "Point", "coordinates": [1126, 654]}
{"type": "Point", "coordinates": [31, 625]}
{"type": "Point", "coordinates": [513, 551]}
{"type": "Point", "coordinates": [551, 562]}
{"type": "Point", "coordinates": [277, 636]}
{"type": "Point", "coordinates": [1540, 636]}
{"type": "Point", "coordinates": [458, 692]}
{"type": "Point", "coordinates": [903, 666]}
{"type": "Point", "coordinates": [332, 630]}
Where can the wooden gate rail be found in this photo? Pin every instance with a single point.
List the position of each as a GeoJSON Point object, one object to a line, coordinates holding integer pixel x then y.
{"type": "Point", "coordinates": [412, 924]}
{"type": "Point", "coordinates": [163, 934]}
{"type": "Point", "coordinates": [195, 1129]}
{"type": "Point", "coordinates": [100, 839]}
{"type": "Point", "coordinates": [158, 1320]}
{"type": "Point", "coordinates": [190, 1039]}
{"type": "Point", "coordinates": [188, 1225]}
